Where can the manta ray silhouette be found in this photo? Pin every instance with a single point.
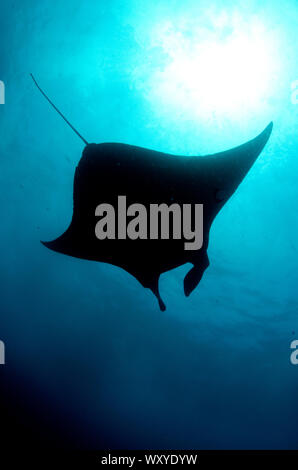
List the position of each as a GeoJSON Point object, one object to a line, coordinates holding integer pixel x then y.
{"type": "Point", "coordinates": [108, 170]}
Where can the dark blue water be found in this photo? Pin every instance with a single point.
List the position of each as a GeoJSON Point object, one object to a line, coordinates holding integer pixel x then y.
{"type": "Point", "coordinates": [214, 370]}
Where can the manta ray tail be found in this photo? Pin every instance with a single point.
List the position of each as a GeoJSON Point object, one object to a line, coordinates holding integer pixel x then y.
{"type": "Point", "coordinates": [59, 112]}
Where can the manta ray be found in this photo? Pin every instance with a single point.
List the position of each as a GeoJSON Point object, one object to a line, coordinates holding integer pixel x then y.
{"type": "Point", "coordinates": [145, 176]}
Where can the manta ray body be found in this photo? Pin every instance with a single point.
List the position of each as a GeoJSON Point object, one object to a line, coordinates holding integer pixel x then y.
{"type": "Point", "coordinates": [145, 176]}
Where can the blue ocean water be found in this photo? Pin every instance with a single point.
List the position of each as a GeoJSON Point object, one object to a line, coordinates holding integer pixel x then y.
{"type": "Point", "coordinates": [214, 370]}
